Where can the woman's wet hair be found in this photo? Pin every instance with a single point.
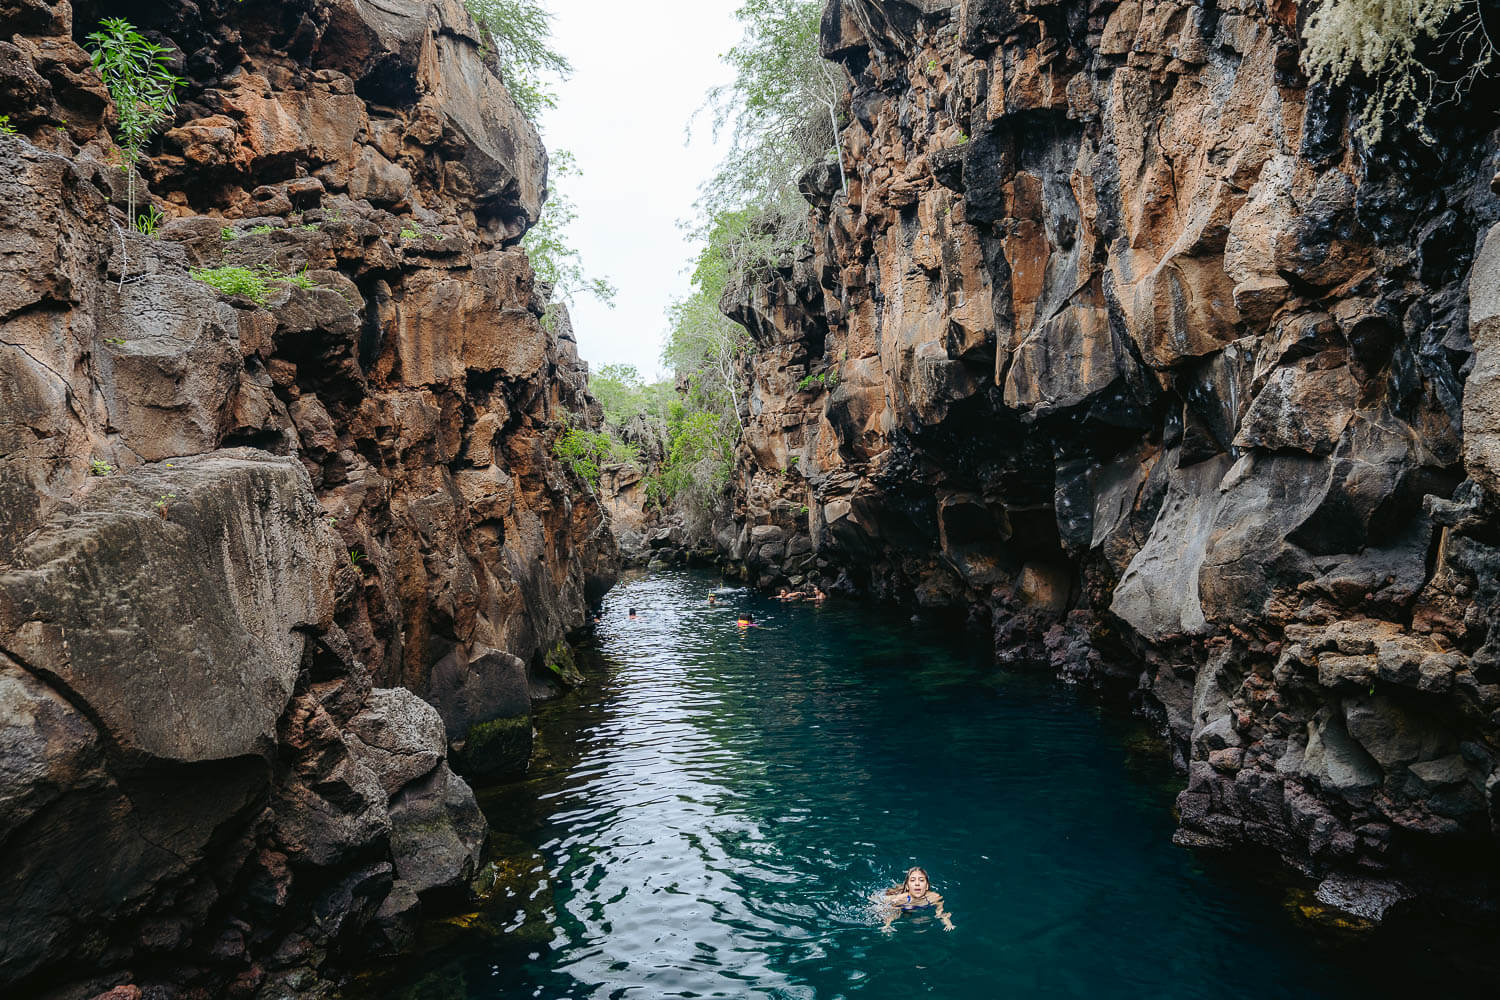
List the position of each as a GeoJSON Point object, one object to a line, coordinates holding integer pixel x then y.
{"type": "Point", "coordinates": [906, 881]}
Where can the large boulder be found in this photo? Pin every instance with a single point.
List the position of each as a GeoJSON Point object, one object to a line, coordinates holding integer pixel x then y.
{"type": "Point", "coordinates": [154, 634]}
{"type": "Point", "coordinates": [484, 697]}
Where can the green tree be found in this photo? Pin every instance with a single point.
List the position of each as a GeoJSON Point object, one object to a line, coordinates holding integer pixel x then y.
{"type": "Point", "coordinates": [585, 452]}
{"type": "Point", "coordinates": [553, 257]}
{"type": "Point", "coordinates": [138, 76]}
{"type": "Point", "coordinates": [783, 105]}
{"type": "Point", "coordinates": [783, 110]}
{"type": "Point", "coordinates": [519, 33]}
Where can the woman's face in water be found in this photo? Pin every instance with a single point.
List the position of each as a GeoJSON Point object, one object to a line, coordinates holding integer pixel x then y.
{"type": "Point", "coordinates": [916, 883]}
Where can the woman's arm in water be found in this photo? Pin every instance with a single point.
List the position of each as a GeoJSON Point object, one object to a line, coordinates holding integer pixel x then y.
{"type": "Point", "coordinates": [891, 904]}
{"type": "Point", "coordinates": [942, 914]}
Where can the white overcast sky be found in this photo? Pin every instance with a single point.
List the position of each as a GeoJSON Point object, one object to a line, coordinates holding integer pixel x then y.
{"type": "Point", "coordinates": [639, 74]}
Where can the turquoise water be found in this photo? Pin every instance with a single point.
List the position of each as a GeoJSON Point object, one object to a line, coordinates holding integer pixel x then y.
{"type": "Point", "coordinates": [709, 817]}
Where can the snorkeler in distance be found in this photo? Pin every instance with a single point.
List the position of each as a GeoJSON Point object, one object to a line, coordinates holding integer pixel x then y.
{"type": "Point", "coordinates": [915, 893]}
{"type": "Point", "coordinates": [745, 620]}
{"type": "Point", "coordinates": [632, 614]}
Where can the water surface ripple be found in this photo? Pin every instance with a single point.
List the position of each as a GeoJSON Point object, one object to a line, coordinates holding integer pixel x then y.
{"type": "Point", "coordinates": [710, 817]}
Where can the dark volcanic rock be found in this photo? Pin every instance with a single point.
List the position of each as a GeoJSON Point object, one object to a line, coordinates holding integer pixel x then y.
{"type": "Point", "coordinates": [1128, 354]}
{"type": "Point", "coordinates": [241, 538]}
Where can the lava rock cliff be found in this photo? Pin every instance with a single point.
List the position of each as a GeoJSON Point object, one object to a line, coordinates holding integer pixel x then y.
{"type": "Point", "coordinates": [1118, 343]}
{"type": "Point", "coordinates": [271, 567]}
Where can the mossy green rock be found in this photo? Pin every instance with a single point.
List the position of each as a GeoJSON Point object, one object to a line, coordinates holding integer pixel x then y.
{"type": "Point", "coordinates": [496, 749]}
{"type": "Point", "coordinates": [562, 665]}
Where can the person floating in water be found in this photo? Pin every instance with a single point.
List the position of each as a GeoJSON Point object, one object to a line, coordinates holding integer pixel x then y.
{"type": "Point", "coordinates": [818, 597]}
{"type": "Point", "coordinates": [915, 893]}
{"type": "Point", "coordinates": [790, 595]}
{"type": "Point", "coordinates": [632, 614]}
{"type": "Point", "coordinates": [713, 599]}
{"type": "Point", "coordinates": [745, 620]}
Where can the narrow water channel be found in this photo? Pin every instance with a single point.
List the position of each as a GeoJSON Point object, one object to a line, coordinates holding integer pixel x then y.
{"type": "Point", "coordinates": [709, 817]}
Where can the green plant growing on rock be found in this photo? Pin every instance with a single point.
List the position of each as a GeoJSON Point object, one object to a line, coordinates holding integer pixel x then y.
{"type": "Point", "coordinates": [356, 556]}
{"type": "Point", "coordinates": [261, 230]}
{"type": "Point", "coordinates": [230, 280]}
{"type": "Point", "coordinates": [1393, 44]}
{"type": "Point", "coordinates": [254, 285]}
{"type": "Point", "coordinates": [299, 280]}
{"type": "Point", "coordinates": [100, 468]}
{"type": "Point", "coordinates": [226, 234]}
{"type": "Point", "coordinates": [6, 127]}
{"type": "Point", "coordinates": [584, 452]}
{"type": "Point", "coordinates": [162, 502]}
{"type": "Point", "coordinates": [139, 79]}
{"type": "Point", "coordinates": [149, 221]}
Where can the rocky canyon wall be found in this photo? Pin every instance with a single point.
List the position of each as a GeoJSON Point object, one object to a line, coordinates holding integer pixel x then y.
{"type": "Point", "coordinates": [271, 566]}
{"type": "Point", "coordinates": [1119, 344]}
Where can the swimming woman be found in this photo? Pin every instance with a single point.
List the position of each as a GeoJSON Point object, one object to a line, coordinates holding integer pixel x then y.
{"type": "Point", "coordinates": [745, 620]}
{"type": "Point", "coordinates": [914, 894]}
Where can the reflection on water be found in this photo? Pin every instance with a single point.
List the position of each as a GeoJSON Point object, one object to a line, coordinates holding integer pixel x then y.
{"type": "Point", "coordinates": [711, 816]}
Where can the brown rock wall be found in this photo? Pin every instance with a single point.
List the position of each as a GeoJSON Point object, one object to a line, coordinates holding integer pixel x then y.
{"type": "Point", "coordinates": [1126, 351]}
{"type": "Point", "coordinates": [241, 540]}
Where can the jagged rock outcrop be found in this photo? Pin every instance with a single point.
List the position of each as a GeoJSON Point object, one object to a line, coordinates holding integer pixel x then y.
{"type": "Point", "coordinates": [269, 564]}
{"type": "Point", "coordinates": [1121, 346]}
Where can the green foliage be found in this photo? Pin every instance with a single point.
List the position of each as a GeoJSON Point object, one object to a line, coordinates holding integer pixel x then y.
{"type": "Point", "coordinates": [162, 502]}
{"type": "Point", "coordinates": [699, 462]}
{"type": "Point", "coordinates": [254, 285]}
{"type": "Point", "coordinates": [822, 380]}
{"type": "Point", "coordinates": [299, 280]}
{"type": "Point", "coordinates": [584, 452]}
{"type": "Point", "coordinates": [99, 468]}
{"type": "Point", "coordinates": [555, 261]}
{"type": "Point", "coordinates": [5, 126]}
{"type": "Point", "coordinates": [783, 110]}
{"type": "Point", "coordinates": [149, 221]}
{"type": "Point", "coordinates": [230, 280]}
{"type": "Point", "coordinates": [261, 230]}
{"type": "Point", "coordinates": [356, 556]}
{"type": "Point", "coordinates": [519, 34]}
{"type": "Point", "coordinates": [414, 232]}
{"type": "Point", "coordinates": [226, 234]}
{"type": "Point", "coordinates": [1393, 45]}
{"type": "Point", "coordinates": [138, 76]}
{"type": "Point", "coordinates": [625, 395]}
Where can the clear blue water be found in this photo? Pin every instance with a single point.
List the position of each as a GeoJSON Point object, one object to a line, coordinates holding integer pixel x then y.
{"type": "Point", "coordinates": [709, 817]}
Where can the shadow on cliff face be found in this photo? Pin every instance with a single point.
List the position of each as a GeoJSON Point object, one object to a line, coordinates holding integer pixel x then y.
{"type": "Point", "coordinates": [1143, 358]}
{"type": "Point", "coordinates": [221, 773]}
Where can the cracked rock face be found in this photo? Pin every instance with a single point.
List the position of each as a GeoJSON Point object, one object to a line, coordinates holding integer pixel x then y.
{"type": "Point", "coordinates": [267, 562]}
{"type": "Point", "coordinates": [1124, 351]}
